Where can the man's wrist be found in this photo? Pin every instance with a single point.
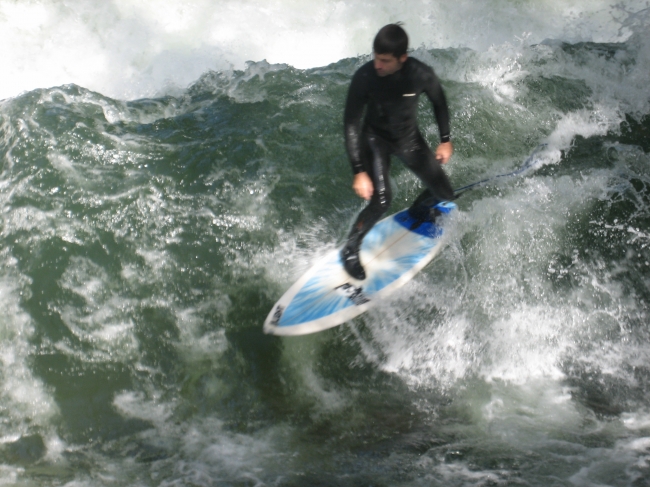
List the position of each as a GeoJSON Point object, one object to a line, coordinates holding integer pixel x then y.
{"type": "Point", "coordinates": [445, 138]}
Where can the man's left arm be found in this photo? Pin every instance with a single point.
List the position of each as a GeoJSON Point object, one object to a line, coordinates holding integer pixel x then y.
{"type": "Point", "coordinates": [436, 95]}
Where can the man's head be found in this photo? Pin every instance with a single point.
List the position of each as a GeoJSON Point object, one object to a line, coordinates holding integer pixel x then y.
{"type": "Point", "coordinates": [389, 47]}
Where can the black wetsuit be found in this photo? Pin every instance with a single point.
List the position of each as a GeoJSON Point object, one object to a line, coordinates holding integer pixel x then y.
{"type": "Point", "coordinates": [390, 127]}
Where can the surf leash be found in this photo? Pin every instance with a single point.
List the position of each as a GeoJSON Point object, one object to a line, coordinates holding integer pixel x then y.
{"type": "Point", "coordinates": [530, 162]}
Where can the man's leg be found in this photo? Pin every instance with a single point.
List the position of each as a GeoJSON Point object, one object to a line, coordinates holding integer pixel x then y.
{"type": "Point", "coordinates": [377, 166]}
{"type": "Point", "coordinates": [419, 158]}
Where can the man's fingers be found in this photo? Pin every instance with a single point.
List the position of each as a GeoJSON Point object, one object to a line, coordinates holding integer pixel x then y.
{"type": "Point", "coordinates": [444, 152]}
{"type": "Point", "coordinates": [362, 185]}
{"type": "Point", "coordinates": [364, 192]}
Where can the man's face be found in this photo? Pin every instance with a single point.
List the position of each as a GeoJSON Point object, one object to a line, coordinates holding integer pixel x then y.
{"type": "Point", "coordinates": [386, 64]}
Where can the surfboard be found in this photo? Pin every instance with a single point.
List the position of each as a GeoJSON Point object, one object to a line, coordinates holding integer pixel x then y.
{"type": "Point", "coordinates": [394, 251]}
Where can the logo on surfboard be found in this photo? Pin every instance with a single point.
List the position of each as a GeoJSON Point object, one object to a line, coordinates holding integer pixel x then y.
{"type": "Point", "coordinates": [353, 293]}
{"type": "Point", "coordinates": [277, 315]}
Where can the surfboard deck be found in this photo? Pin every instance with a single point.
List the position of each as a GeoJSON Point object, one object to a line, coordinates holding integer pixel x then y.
{"type": "Point", "coordinates": [392, 252]}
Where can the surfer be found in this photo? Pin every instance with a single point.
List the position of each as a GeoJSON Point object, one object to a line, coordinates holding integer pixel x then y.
{"type": "Point", "coordinates": [388, 88]}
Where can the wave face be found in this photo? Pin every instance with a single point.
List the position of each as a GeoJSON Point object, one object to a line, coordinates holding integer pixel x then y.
{"type": "Point", "coordinates": [158, 195]}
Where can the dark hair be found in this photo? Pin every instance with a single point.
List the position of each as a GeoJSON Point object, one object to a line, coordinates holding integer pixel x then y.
{"type": "Point", "coordinates": [391, 39]}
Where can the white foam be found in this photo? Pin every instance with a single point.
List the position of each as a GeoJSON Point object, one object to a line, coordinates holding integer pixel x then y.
{"type": "Point", "coordinates": [585, 123]}
{"type": "Point", "coordinates": [127, 49]}
{"type": "Point", "coordinates": [136, 405]}
{"type": "Point", "coordinates": [217, 453]}
{"type": "Point", "coordinates": [196, 344]}
{"type": "Point", "coordinates": [506, 321]}
{"type": "Point", "coordinates": [27, 403]}
{"type": "Point", "coordinates": [104, 320]}
{"type": "Point", "coordinates": [638, 420]}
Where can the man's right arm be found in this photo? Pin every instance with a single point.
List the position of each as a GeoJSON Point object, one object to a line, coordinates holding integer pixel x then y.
{"type": "Point", "coordinates": [352, 119]}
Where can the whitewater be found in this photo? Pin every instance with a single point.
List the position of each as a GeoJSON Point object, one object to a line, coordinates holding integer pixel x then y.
{"type": "Point", "coordinates": [132, 49]}
{"type": "Point", "coordinates": [167, 171]}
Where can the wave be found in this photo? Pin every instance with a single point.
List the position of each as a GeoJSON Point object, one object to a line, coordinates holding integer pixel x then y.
{"type": "Point", "coordinates": [127, 50]}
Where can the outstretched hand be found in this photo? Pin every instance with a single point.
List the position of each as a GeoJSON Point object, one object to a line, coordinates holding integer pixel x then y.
{"type": "Point", "coordinates": [444, 152]}
{"type": "Point", "coordinates": [362, 185]}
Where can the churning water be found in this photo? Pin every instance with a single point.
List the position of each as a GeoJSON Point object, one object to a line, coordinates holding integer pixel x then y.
{"type": "Point", "coordinates": [158, 194]}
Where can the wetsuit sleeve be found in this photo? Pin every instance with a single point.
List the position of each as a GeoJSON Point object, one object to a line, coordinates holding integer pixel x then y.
{"type": "Point", "coordinates": [433, 89]}
{"type": "Point", "coordinates": [352, 119]}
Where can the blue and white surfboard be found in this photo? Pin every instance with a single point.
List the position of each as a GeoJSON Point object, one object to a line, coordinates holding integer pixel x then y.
{"type": "Point", "coordinates": [326, 296]}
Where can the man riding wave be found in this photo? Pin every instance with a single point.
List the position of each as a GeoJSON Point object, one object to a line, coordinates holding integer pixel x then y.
{"type": "Point", "coordinates": [388, 88]}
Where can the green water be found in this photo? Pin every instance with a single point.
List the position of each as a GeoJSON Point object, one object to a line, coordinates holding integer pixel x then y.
{"type": "Point", "coordinates": [144, 242]}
